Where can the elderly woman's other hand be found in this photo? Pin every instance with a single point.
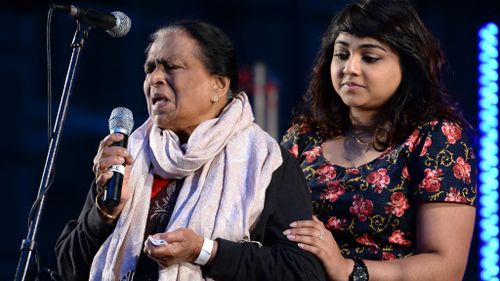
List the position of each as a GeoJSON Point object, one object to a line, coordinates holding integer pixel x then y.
{"type": "Point", "coordinates": [182, 245]}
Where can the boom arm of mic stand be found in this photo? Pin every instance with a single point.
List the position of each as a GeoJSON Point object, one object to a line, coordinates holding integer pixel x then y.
{"type": "Point", "coordinates": [25, 270]}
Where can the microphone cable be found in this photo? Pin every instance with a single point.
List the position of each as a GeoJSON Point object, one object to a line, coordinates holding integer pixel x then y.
{"type": "Point", "coordinates": [49, 113]}
{"type": "Point", "coordinates": [49, 75]}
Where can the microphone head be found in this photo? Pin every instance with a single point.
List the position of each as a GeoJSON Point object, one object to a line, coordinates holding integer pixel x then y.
{"type": "Point", "coordinates": [121, 121]}
{"type": "Point", "coordinates": [123, 24]}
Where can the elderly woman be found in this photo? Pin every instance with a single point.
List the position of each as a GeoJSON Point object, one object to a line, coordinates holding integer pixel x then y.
{"type": "Point", "coordinates": [201, 177]}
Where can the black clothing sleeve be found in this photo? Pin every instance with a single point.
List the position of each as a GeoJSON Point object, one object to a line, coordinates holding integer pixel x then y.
{"type": "Point", "coordinates": [287, 200]}
{"type": "Point", "coordinates": [80, 241]}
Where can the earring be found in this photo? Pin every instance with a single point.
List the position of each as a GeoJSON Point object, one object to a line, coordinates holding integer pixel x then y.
{"type": "Point", "coordinates": [214, 99]}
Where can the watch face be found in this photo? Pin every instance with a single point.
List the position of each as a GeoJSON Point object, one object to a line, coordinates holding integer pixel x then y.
{"type": "Point", "coordinates": [359, 274]}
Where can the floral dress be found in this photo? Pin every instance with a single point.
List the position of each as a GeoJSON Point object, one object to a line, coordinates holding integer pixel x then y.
{"type": "Point", "coordinates": [371, 209]}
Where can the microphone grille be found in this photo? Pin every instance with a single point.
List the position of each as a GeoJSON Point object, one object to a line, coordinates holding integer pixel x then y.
{"type": "Point", "coordinates": [121, 121]}
{"type": "Point", "coordinates": [123, 24]}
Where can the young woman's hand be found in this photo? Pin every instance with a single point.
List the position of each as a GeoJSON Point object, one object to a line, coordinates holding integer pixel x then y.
{"type": "Point", "coordinates": [312, 236]}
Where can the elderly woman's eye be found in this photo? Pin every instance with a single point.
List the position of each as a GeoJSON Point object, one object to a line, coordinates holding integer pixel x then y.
{"type": "Point", "coordinates": [148, 68]}
{"type": "Point", "coordinates": [171, 66]}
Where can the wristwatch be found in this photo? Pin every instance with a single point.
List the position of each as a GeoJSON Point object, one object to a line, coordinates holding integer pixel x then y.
{"type": "Point", "coordinates": [359, 271]}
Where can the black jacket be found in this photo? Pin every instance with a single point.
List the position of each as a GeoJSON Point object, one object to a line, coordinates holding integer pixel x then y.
{"type": "Point", "coordinates": [287, 200]}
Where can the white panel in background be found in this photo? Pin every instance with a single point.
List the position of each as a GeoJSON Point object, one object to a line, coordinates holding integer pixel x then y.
{"type": "Point", "coordinates": [272, 110]}
{"type": "Point", "coordinates": [259, 95]}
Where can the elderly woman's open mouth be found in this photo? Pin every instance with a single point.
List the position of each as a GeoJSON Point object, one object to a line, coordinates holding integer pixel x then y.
{"type": "Point", "coordinates": [159, 99]}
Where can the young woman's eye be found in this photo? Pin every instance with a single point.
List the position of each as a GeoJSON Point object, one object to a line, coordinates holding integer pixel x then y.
{"type": "Point", "coordinates": [370, 59]}
{"type": "Point", "coordinates": [341, 55]}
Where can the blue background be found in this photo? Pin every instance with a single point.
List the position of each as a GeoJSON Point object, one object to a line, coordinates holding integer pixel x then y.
{"type": "Point", "coordinates": [285, 35]}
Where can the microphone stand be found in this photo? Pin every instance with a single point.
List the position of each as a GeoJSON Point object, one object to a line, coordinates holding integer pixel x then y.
{"type": "Point", "coordinates": [25, 269]}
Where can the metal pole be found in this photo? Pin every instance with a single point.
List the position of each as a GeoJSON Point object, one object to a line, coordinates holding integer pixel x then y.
{"type": "Point", "coordinates": [25, 269]}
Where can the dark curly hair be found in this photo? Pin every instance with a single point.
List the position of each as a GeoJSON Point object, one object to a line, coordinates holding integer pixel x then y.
{"type": "Point", "coordinates": [421, 95]}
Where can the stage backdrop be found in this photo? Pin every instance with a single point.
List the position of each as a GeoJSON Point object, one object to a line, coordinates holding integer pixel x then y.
{"type": "Point", "coordinates": [276, 42]}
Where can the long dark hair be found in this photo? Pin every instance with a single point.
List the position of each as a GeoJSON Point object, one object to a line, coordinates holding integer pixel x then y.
{"type": "Point", "coordinates": [420, 97]}
{"type": "Point", "coordinates": [218, 54]}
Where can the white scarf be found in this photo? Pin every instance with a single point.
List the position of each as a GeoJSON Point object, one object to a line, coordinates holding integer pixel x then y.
{"type": "Point", "coordinates": [227, 164]}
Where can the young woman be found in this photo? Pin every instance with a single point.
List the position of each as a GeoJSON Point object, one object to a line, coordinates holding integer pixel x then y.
{"type": "Point", "coordinates": [390, 169]}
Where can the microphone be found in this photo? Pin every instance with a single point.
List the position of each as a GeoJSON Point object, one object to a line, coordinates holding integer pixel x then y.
{"type": "Point", "coordinates": [121, 121]}
{"type": "Point", "coordinates": [117, 24]}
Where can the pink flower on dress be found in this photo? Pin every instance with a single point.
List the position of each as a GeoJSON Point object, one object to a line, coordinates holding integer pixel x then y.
{"type": "Point", "coordinates": [325, 172]}
{"type": "Point", "coordinates": [405, 173]}
{"type": "Point", "coordinates": [367, 240]}
{"type": "Point", "coordinates": [412, 140]}
{"type": "Point", "coordinates": [451, 131]}
{"type": "Point", "coordinates": [378, 179]}
{"type": "Point", "coordinates": [312, 154]}
{"type": "Point", "coordinates": [336, 224]}
{"type": "Point", "coordinates": [455, 196]}
{"type": "Point", "coordinates": [304, 128]}
{"type": "Point", "coordinates": [398, 237]}
{"type": "Point", "coordinates": [361, 207]}
{"type": "Point", "coordinates": [427, 143]}
{"type": "Point", "coordinates": [433, 123]}
{"type": "Point", "coordinates": [432, 180]}
{"type": "Point", "coordinates": [294, 150]}
{"type": "Point", "coordinates": [352, 171]}
{"type": "Point", "coordinates": [461, 170]}
{"type": "Point", "coordinates": [333, 191]}
{"type": "Point", "coordinates": [388, 256]}
{"type": "Point", "coordinates": [398, 204]}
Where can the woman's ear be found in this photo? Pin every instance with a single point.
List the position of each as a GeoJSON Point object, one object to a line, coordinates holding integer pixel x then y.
{"type": "Point", "coordinates": [221, 85]}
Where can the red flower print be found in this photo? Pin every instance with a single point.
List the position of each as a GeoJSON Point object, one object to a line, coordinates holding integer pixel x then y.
{"type": "Point", "coordinates": [378, 179]}
{"type": "Point", "coordinates": [388, 256]}
{"type": "Point", "coordinates": [294, 150]}
{"type": "Point", "coordinates": [398, 237]}
{"type": "Point", "coordinates": [367, 240]}
{"type": "Point", "coordinates": [405, 173]}
{"type": "Point", "coordinates": [336, 224]}
{"type": "Point", "coordinates": [412, 140]}
{"type": "Point", "coordinates": [304, 128]}
{"type": "Point", "coordinates": [432, 180]}
{"type": "Point", "coordinates": [455, 196]}
{"type": "Point", "coordinates": [361, 207]}
{"type": "Point", "coordinates": [325, 172]}
{"type": "Point", "coordinates": [451, 131]}
{"type": "Point", "coordinates": [333, 191]}
{"type": "Point", "coordinates": [427, 143]}
{"type": "Point", "coordinates": [352, 171]}
{"type": "Point", "coordinates": [461, 170]}
{"type": "Point", "coordinates": [398, 204]}
{"type": "Point", "coordinates": [433, 123]}
{"type": "Point", "coordinates": [312, 154]}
